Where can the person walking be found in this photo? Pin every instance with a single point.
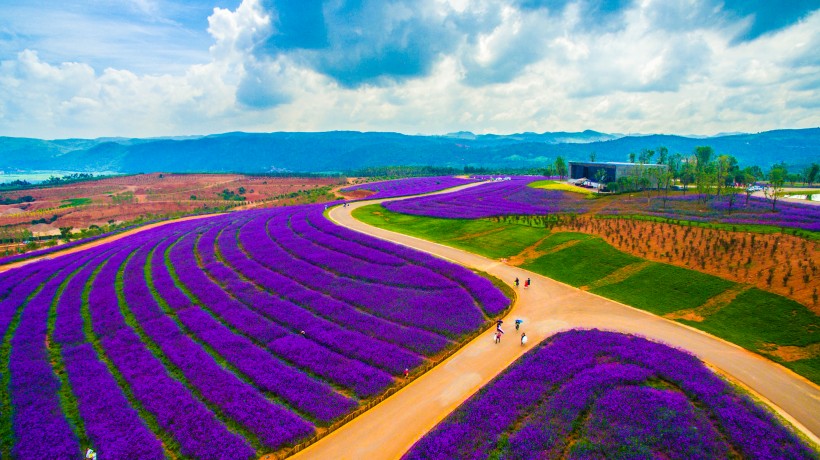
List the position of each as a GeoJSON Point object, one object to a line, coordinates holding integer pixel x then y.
{"type": "Point", "coordinates": [527, 283]}
{"type": "Point", "coordinates": [406, 373]}
{"type": "Point", "coordinates": [497, 337]}
{"type": "Point", "coordinates": [516, 281]}
{"type": "Point", "coordinates": [523, 338]}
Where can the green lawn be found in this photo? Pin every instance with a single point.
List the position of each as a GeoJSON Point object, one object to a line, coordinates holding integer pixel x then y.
{"type": "Point", "coordinates": [491, 239]}
{"type": "Point", "coordinates": [756, 318]}
{"type": "Point", "coordinates": [662, 288]}
{"type": "Point", "coordinates": [582, 263]}
{"type": "Point", "coordinates": [74, 202]}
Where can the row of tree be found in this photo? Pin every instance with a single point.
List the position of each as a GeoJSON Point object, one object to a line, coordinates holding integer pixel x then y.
{"type": "Point", "coordinates": [712, 175]}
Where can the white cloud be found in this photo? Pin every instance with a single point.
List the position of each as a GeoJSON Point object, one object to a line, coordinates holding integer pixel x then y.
{"type": "Point", "coordinates": [516, 70]}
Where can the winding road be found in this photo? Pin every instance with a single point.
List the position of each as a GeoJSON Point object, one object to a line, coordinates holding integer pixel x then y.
{"type": "Point", "coordinates": [389, 429]}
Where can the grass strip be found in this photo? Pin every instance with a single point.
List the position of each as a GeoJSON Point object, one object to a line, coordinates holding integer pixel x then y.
{"type": "Point", "coordinates": [68, 401]}
{"type": "Point", "coordinates": [174, 371]}
{"type": "Point", "coordinates": [170, 445]}
{"type": "Point", "coordinates": [6, 427]}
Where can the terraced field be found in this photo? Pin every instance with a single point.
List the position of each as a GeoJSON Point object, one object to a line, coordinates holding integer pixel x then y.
{"type": "Point", "coordinates": [188, 340]}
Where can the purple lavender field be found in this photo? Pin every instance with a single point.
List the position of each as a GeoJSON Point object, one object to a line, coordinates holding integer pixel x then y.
{"type": "Point", "coordinates": [409, 186]}
{"type": "Point", "coordinates": [594, 394]}
{"type": "Point", "coordinates": [757, 211]}
{"type": "Point", "coordinates": [232, 336]}
{"type": "Point", "coordinates": [500, 198]}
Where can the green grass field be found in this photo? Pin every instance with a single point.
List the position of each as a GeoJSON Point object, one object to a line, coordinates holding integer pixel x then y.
{"type": "Point", "coordinates": [74, 202]}
{"type": "Point", "coordinates": [589, 260]}
{"type": "Point", "coordinates": [755, 319]}
{"type": "Point", "coordinates": [482, 236]}
{"type": "Point", "coordinates": [662, 288]}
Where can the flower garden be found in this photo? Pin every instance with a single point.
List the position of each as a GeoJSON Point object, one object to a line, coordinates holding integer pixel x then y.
{"type": "Point", "coordinates": [594, 394]}
{"type": "Point", "coordinates": [188, 340]}
{"type": "Point", "coordinates": [409, 186]}
{"type": "Point", "coordinates": [757, 211]}
{"type": "Point", "coordinates": [507, 197]}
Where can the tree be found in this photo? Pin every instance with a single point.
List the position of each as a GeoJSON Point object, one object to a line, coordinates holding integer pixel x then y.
{"type": "Point", "coordinates": [663, 154]}
{"type": "Point", "coordinates": [777, 178]}
{"type": "Point", "coordinates": [65, 233]}
{"type": "Point", "coordinates": [592, 156]}
{"type": "Point", "coordinates": [645, 156]}
{"type": "Point", "coordinates": [704, 156]}
{"type": "Point", "coordinates": [631, 157]}
{"type": "Point", "coordinates": [723, 167]}
{"type": "Point", "coordinates": [600, 175]}
{"type": "Point", "coordinates": [812, 173]}
{"type": "Point", "coordinates": [749, 179]}
{"type": "Point", "coordinates": [686, 173]}
{"type": "Point", "coordinates": [560, 167]}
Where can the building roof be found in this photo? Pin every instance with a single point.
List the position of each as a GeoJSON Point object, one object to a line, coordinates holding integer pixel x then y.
{"type": "Point", "coordinates": [611, 163]}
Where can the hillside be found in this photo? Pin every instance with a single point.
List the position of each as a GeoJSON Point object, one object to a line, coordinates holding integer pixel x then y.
{"type": "Point", "coordinates": [349, 150]}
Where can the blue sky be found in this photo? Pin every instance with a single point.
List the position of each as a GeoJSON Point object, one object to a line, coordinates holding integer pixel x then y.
{"type": "Point", "coordinates": [168, 67]}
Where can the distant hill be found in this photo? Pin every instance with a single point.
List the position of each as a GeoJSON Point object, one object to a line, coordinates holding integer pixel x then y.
{"type": "Point", "coordinates": [339, 151]}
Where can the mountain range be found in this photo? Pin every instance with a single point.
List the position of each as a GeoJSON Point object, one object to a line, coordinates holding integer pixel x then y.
{"type": "Point", "coordinates": [340, 151]}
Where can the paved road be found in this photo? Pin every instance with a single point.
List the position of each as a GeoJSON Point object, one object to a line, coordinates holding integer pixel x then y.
{"type": "Point", "coordinates": [390, 428]}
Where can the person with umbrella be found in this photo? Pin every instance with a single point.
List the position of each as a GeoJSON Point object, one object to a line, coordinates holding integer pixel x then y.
{"type": "Point", "coordinates": [518, 323]}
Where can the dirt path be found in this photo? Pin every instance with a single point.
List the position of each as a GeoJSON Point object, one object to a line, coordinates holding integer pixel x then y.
{"type": "Point", "coordinates": [83, 247]}
{"type": "Point", "coordinates": [390, 428]}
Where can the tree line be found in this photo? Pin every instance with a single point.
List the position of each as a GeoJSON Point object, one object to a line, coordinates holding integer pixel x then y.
{"type": "Point", "coordinates": [712, 175]}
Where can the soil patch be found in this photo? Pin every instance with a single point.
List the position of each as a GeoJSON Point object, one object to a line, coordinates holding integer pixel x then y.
{"type": "Point", "coordinates": [791, 353]}
{"type": "Point", "coordinates": [711, 306]}
{"type": "Point", "coordinates": [618, 275]}
{"type": "Point", "coordinates": [531, 252]}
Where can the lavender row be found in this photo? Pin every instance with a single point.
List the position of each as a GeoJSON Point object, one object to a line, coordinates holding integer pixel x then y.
{"type": "Point", "coordinates": [313, 397]}
{"type": "Point", "coordinates": [491, 299]}
{"type": "Point", "coordinates": [511, 197]}
{"type": "Point", "coordinates": [601, 373]}
{"type": "Point", "coordinates": [346, 342]}
{"type": "Point", "coordinates": [292, 347]}
{"type": "Point", "coordinates": [757, 211]}
{"type": "Point", "coordinates": [40, 428]}
{"type": "Point", "coordinates": [665, 419]}
{"type": "Point", "coordinates": [409, 186]}
{"type": "Point", "coordinates": [235, 398]}
{"type": "Point", "coordinates": [313, 248]}
{"type": "Point", "coordinates": [276, 279]}
{"type": "Point", "coordinates": [114, 428]}
{"type": "Point", "coordinates": [191, 424]}
{"type": "Point", "coordinates": [447, 311]}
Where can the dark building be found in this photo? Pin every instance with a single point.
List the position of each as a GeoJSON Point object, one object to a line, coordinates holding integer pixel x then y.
{"type": "Point", "coordinates": [614, 170]}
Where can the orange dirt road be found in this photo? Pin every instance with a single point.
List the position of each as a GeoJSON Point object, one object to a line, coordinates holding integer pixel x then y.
{"type": "Point", "coordinates": [389, 429]}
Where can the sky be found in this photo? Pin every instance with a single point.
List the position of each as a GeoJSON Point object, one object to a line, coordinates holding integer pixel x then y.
{"type": "Point", "coordinates": [149, 68]}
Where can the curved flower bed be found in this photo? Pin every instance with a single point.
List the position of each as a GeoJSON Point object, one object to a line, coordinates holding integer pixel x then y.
{"type": "Point", "coordinates": [499, 198]}
{"type": "Point", "coordinates": [409, 186]}
{"type": "Point", "coordinates": [594, 394]}
{"type": "Point", "coordinates": [233, 336]}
